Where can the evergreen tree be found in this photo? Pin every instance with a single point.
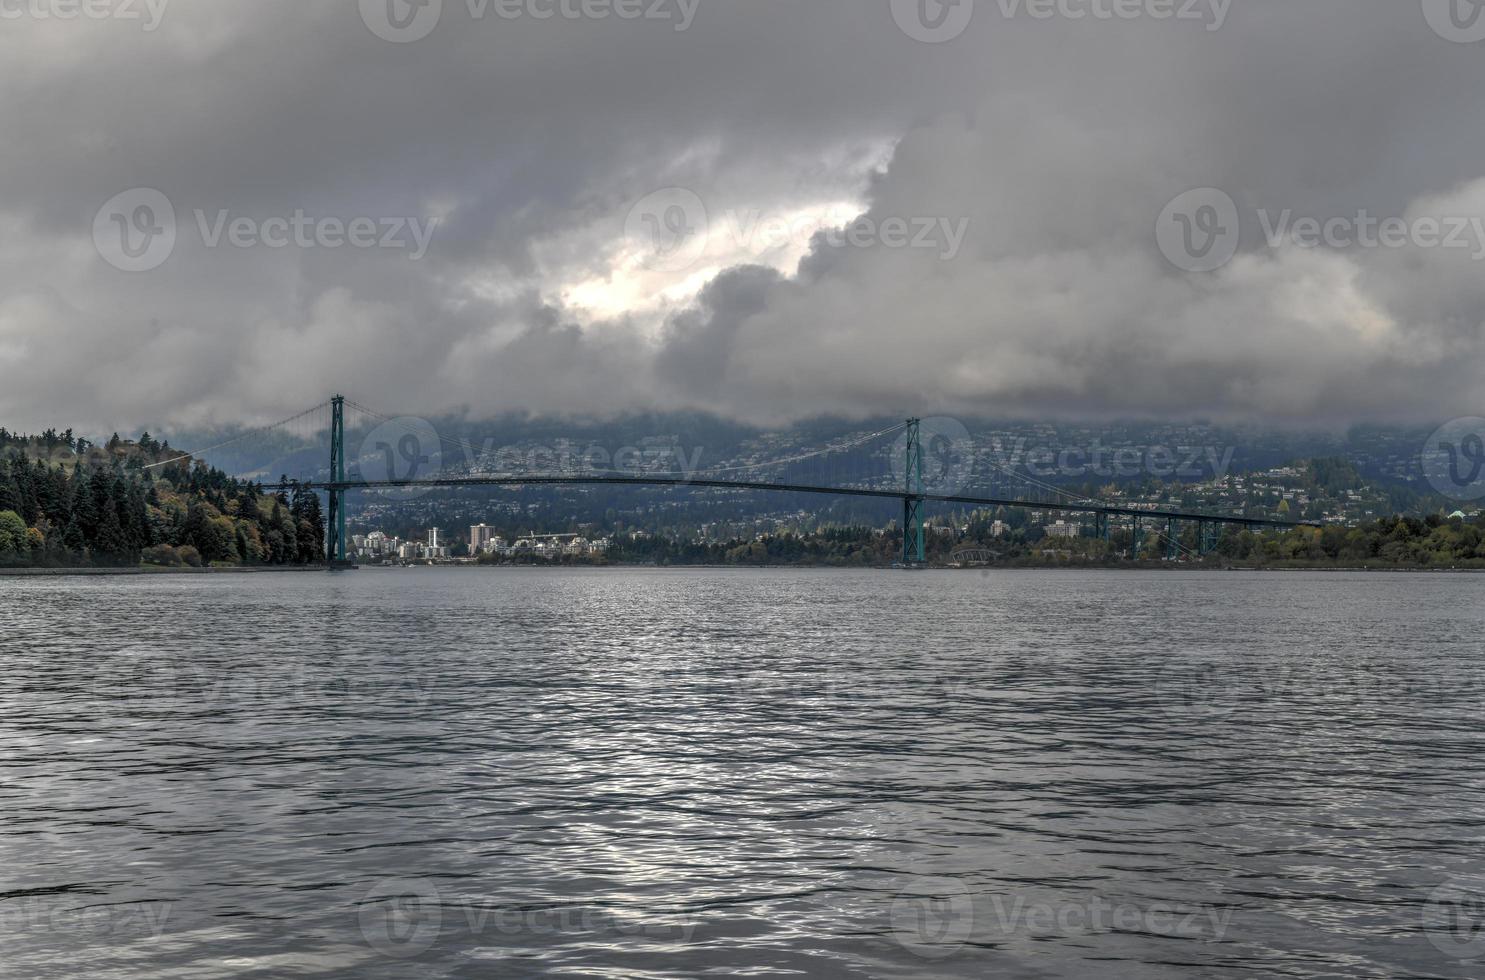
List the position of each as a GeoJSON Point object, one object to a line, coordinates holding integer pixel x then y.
{"type": "Point", "coordinates": [112, 545]}
{"type": "Point", "coordinates": [282, 539]}
{"type": "Point", "coordinates": [9, 498]}
{"type": "Point", "coordinates": [74, 540]}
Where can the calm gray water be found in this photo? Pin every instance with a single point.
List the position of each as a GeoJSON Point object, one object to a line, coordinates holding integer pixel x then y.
{"type": "Point", "coordinates": [783, 773]}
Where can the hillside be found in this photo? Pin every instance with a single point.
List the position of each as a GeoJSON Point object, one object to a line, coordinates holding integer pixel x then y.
{"type": "Point", "coordinates": [67, 502]}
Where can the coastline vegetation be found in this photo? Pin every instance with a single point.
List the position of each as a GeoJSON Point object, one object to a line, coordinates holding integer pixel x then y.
{"type": "Point", "coordinates": [66, 502]}
{"type": "Point", "coordinates": [1404, 543]}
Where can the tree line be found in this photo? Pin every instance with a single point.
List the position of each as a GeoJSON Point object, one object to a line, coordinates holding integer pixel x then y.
{"type": "Point", "coordinates": [130, 503]}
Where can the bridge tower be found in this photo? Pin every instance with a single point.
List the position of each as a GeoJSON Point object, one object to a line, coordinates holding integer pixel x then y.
{"type": "Point", "coordinates": [1172, 540]}
{"type": "Point", "coordinates": [336, 550]}
{"type": "Point", "coordinates": [1135, 530]}
{"type": "Point", "coordinates": [914, 544]}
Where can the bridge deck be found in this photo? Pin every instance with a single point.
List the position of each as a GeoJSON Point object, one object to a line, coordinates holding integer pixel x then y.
{"type": "Point", "coordinates": [682, 483]}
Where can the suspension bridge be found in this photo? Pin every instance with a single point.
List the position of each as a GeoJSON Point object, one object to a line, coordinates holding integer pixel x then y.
{"type": "Point", "coordinates": [891, 464]}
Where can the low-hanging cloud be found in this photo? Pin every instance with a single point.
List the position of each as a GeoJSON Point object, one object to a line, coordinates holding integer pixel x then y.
{"type": "Point", "coordinates": [1005, 258]}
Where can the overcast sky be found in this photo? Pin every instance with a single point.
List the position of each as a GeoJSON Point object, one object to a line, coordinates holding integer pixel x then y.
{"type": "Point", "coordinates": [769, 209]}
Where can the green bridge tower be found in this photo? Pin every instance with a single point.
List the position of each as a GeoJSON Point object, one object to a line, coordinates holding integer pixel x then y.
{"type": "Point", "coordinates": [336, 549]}
{"type": "Point", "coordinates": [914, 545]}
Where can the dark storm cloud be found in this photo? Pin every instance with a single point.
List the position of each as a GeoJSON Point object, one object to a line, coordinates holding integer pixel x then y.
{"type": "Point", "coordinates": [1053, 143]}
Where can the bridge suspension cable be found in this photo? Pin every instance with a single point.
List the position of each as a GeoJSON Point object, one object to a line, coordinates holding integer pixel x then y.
{"type": "Point", "coordinates": [260, 430]}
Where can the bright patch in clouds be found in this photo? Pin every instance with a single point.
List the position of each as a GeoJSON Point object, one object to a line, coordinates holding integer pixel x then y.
{"type": "Point", "coordinates": [633, 286]}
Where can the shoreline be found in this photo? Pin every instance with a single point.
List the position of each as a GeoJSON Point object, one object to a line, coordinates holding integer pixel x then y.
{"type": "Point", "coordinates": [152, 571]}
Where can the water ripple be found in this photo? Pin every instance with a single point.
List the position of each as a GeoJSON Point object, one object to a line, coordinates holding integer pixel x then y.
{"type": "Point", "coordinates": [669, 774]}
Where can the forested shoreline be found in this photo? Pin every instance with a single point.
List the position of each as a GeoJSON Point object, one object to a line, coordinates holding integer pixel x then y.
{"type": "Point", "coordinates": [68, 503]}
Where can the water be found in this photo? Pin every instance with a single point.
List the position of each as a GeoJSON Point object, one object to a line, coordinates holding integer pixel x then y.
{"type": "Point", "coordinates": [678, 773]}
